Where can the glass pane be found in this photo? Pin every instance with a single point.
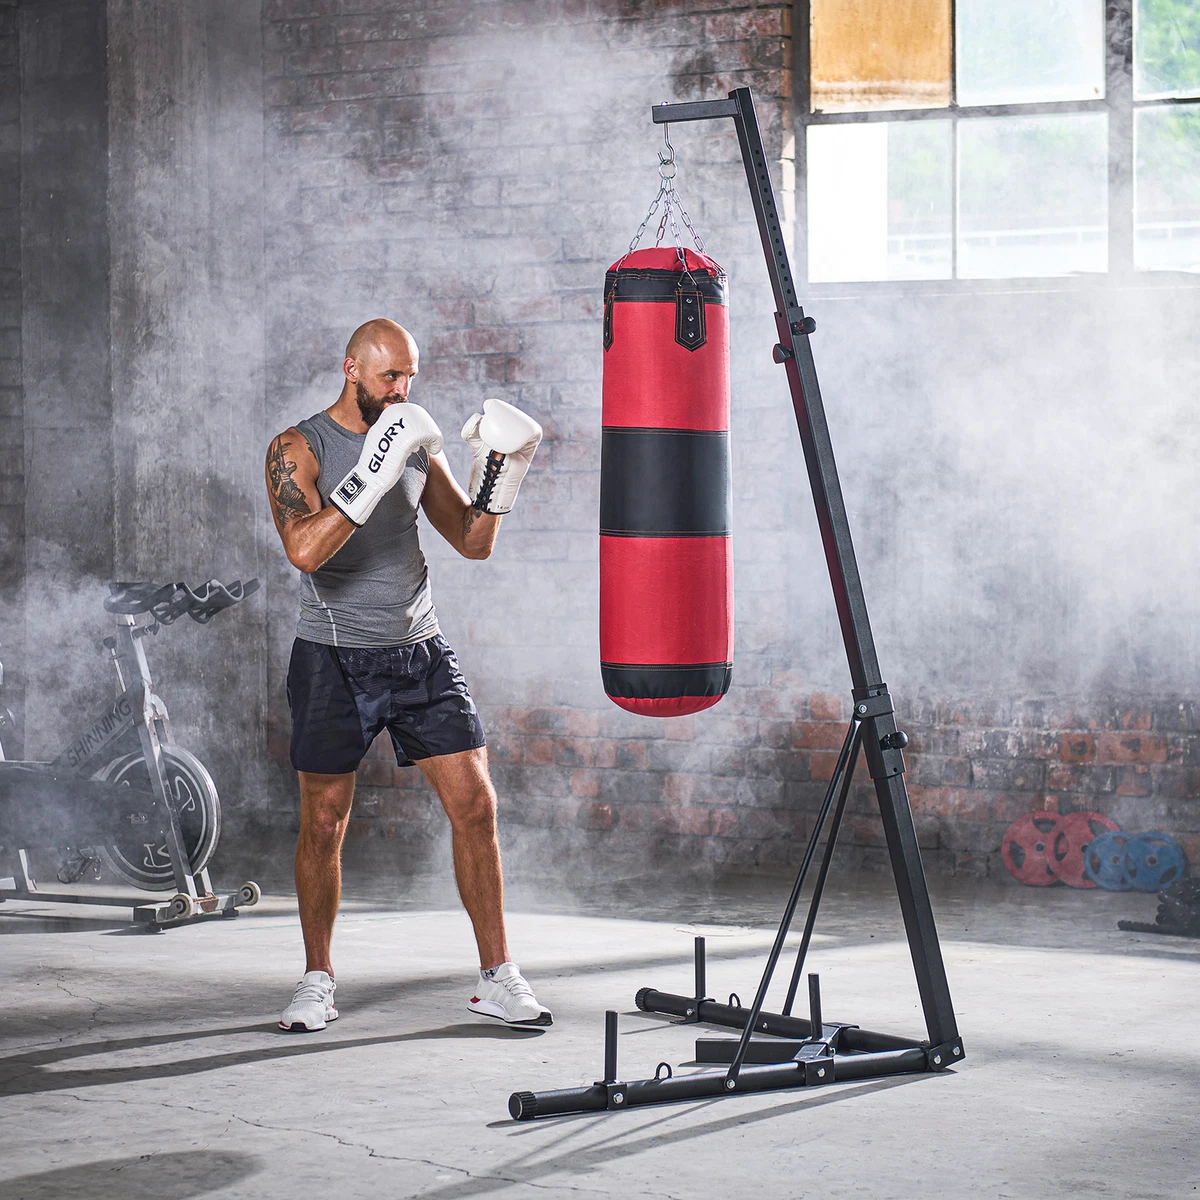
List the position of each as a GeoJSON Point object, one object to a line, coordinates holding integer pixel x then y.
{"type": "Point", "coordinates": [1166, 48]}
{"type": "Point", "coordinates": [920, 200]}
{"type": "Point", "coordinates": [867, 55]}
{"type": "Point", "coordinates": [1032, 196]}
{"type": "Point", "coordinates": [1166, 224]}
{"type": "Point", "coordinates": [1022, 51]}
{"type": "Point", "coordinates": [847, 202]}
{"type": "Point", "coordinates": [879, 201]}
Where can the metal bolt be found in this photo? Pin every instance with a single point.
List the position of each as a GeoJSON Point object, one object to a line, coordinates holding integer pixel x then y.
{"type": "Point", "coordinates": [957, 1049]}
{"type": "Point", "coordinates": [763, 1025]}
{"type": "Point", "coordinates": [691, 1012]}
{"type": "Point", "coordinates": [937, 1058]}
{"type": "Point", "coordinates": [730, 1084]}
{"type": "Point", "coordinates": [821, 1073]}
{"type": "Point", "coordinates": [862, 708]}
{"type": "Point", "coordinates": [618, 1097]}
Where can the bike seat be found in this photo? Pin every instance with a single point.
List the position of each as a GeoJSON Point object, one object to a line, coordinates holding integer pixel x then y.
{"type": "Point", "coordinates": [167, 602]}
{"type": "Point", "coordinates": [134, 598]}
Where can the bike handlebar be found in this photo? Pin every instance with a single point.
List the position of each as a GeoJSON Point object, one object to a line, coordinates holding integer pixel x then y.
{"type": "Point", "coordinates": [167, 602]}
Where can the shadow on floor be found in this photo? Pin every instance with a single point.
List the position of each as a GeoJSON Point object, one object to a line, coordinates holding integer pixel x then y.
{"type": "Point", "coordinates": [625, 1139]}
{"type": "Point", "coordinates": [171, 1176]}
{"type": "Point", "coordinates": [34, 1071]}
{"type": "Point", "coordinates": [13, 922]}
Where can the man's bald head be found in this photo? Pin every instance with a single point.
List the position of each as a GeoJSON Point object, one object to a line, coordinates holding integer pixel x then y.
{"type": "Point", "coordinates": [380, 336]}
{"type": "Point", "coordinates": [381, 361]}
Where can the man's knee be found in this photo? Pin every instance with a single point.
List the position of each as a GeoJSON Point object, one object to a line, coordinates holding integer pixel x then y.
{"type": "Point", "coordinates": [325, 808]}
{"type": "Point", "coordinates": [323, 825]}
{"type": "Point", "coordinates": [474, 811]}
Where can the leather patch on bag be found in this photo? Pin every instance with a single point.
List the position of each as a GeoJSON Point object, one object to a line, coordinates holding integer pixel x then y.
{"type": "Point", "coordinates": [690, 331]}
{"type": "Point", "coordinates": [608, 315]}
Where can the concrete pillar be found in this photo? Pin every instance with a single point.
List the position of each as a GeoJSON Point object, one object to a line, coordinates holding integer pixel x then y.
{"type": "Point", "coordinates": [12, 423]}
{"type": "Point", "coordinates": [65, 361]}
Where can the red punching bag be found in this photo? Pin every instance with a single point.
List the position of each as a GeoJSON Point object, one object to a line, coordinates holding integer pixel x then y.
{"type": "Point", "coordinates": [666, 559]}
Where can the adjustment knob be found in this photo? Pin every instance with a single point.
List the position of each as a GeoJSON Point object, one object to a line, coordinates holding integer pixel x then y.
{"type": "Point", "coordinates": [781, 354]}
{"type": "Point", "coordinates": [893, 741]}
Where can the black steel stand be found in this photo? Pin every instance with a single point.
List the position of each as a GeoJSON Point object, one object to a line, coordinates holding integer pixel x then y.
{"type": "Point", "coordinates": [800, 1052]}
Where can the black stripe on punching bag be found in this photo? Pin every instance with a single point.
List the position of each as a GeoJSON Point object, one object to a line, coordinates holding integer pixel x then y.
{"type": "Point", "coordinates": [664, 483]}
{"type": "Point", "coordinates": [644, 682]}
{"type": "Point", "coordinates": [651, 286]}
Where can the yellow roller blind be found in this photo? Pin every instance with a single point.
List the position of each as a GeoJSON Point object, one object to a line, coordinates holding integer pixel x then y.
{"type": "Point", "coordinates": [875, 54]}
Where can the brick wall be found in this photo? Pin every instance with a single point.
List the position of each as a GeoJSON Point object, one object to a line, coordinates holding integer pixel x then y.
{"type": "Point", "coordinates": [471, 169]}
{"type": "Point", "coordinates": [12, 441]}
{"type": "Point", "coordinates": [740, 784]}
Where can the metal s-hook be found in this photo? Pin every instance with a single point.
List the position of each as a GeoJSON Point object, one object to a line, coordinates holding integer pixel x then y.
{"type": "Point", "coordinates": [666, 158]}
{"type": "Point", "coordinates": [667, 200]}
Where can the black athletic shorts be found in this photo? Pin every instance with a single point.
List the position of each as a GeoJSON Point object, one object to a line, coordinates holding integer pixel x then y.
{"type": "Point", "coordinates": [341, 697]}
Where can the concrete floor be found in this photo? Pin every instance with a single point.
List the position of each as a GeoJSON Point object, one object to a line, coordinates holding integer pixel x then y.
{"type": "Point", "coordinates": [142, 1066]}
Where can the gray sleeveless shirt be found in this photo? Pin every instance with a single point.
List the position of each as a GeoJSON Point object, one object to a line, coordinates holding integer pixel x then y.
{"type": "Point", "coordinates": [375, 590]}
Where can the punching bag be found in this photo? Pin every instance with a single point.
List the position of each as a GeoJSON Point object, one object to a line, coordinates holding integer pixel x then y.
{"type": "Point", "coordinates": [666, 560]}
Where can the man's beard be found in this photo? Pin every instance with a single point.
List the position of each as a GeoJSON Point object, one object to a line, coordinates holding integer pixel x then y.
{"type": "Point", "coordinates": [370, 406]}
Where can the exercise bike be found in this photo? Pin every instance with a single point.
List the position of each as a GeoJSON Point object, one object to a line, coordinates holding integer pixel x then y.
{"type": "Point", "coordinates": [122, 796]}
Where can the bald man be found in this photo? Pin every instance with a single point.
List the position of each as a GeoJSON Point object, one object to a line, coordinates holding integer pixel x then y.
{"type": "Point", "coordinates": [345, 486]}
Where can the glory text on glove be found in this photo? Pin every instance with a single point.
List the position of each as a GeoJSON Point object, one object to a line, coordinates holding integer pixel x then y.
{"type": "Point", "coordinates": [400, 430]}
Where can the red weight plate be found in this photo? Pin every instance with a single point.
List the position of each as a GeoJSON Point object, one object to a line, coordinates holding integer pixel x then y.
{"type": "Point", "coordinates": [1028, 848]}
{"type": "Point", "coordinates": [1075, 834]}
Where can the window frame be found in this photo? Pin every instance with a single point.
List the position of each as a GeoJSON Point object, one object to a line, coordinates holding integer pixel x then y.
{"type": "Point", "coordinates": [1118, 103]}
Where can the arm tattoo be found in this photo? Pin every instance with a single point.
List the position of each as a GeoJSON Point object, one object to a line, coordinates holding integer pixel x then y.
{"type": "Point", "coordinates": [288, 498]}
{"type": "Point", "coordinates": [469, 520]}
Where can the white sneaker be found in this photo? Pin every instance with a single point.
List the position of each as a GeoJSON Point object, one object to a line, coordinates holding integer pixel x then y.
{"type": "Point", "coordinates": [311, 1006]}
{"type": "Point", "coordinates": [506, 995]}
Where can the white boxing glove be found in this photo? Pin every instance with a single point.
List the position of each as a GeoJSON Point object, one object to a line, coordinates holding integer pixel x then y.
{"type": "Point", "coordinates": [399, 430]}
{"type": "Point", "coordinates": [503, 440]}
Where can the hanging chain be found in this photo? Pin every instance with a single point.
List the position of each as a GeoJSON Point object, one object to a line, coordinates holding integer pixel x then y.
{"type": "Point", "coordinates": [668, 198]}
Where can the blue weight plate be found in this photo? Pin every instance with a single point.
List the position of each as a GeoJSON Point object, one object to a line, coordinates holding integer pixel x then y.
{"type": "Point", "coordinates": [1154, 860]}
{"type": "Point", "coordinates": [1105, 863]}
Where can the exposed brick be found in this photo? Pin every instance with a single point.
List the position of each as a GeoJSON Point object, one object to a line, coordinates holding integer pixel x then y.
{"type": "Point", "coordinates": [1008, 806]}
{"type": "Point", "coordinates": [1077, 747]}
{"type": "Point", "coordinates": [1139, 718]}
{"type": "Point", "coordinates": [1132, 748]}
{"type": "Point", "coordinates": [825, 707]}
{"type": "Point", "coordinates": [596, 816]}
{"type": "Point", "coordinates": [537, 751]}
{"type": "Point", "coordinates": [1135, 781]}
{"type": "Point", "coordinates": [1008, 774]}
{"type": "Point", "coordinates": [865, 831]}
{"type": "Point", "coordinates": [951, 802]}
{"type": "Point", "coordinates": [630, 756]}
{"type": "Point", "coordinates": [585, 784]}
{"type": "Point", "coordinates": [818, 735]}
{"type": "Point", "coordinates": [1089, 779]}
{"type": "Point", "coordinates": [1191, 849]}
{"type": "Point", "coordinates": [680, 728]}
{"type": "Point", "coordinates": [822, 764]}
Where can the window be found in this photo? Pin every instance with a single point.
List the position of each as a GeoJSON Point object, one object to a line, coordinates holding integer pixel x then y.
{"type": "Point", "coordinates": [966, 139]}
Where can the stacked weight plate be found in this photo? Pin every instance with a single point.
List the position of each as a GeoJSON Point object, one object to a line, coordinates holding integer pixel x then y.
{"type": "Point", "coordinates": [1088, 850]}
